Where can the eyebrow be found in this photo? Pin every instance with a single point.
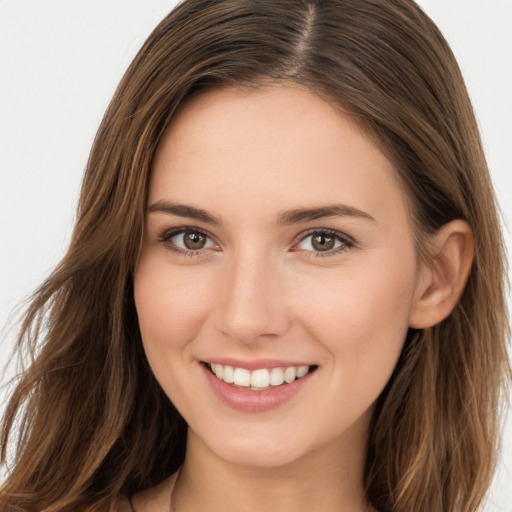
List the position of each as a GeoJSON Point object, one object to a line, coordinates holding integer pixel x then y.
{"type": "Point", "coordinates": [308, 214]}
{"type": "Point", "coordinates": [284, 218]}
{"type": "Point", "coordinates": [183, 210]}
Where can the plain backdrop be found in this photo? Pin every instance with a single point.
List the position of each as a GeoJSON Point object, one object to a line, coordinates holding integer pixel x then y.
{"type": "Point", "coordinates": [60, 62]}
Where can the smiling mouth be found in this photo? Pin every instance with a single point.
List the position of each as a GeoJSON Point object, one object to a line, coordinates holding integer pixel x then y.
{"type": "Point", "coordinates": [260, 379]}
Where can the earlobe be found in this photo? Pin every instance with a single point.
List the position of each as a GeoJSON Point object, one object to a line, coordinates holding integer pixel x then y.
{"type": "Point", "coordinates": [444, 275]}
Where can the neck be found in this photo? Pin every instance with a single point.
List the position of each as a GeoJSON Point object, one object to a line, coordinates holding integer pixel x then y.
{"type": "Point", "coordinates": [327, 479]}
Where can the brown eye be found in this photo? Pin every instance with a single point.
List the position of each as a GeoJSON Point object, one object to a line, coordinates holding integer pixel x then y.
{"type": "Point", "coordinates": [194, 241]}
{"type": "Point", "coordinates": [187, 240]}
{"type": "Point", "coordinates": [323, 242]}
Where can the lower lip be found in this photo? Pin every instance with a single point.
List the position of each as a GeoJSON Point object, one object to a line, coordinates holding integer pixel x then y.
{"type": "Point", "coordinates": [254, 401]}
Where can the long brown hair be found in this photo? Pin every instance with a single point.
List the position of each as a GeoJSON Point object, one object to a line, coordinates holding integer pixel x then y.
{"type": "Point", "coordinates": [92, 423]}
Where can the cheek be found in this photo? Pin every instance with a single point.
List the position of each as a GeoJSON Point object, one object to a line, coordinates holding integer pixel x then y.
{"type": "Point", "coordinates": [171, 306]}
{"type": "Point", "coordinates": [361, 317]}
{"type": "Point", "coordinates": [366, 300]}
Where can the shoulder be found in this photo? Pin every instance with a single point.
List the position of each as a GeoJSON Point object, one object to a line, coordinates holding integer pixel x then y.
{"type": "Point", "coordinates": [155, 499]}
{"type": "Point", "coordinates": [121, 505]}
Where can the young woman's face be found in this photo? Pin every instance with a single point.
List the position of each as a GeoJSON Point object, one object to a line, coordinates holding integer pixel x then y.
{"type": "Point", "coordinates": [277, 246]}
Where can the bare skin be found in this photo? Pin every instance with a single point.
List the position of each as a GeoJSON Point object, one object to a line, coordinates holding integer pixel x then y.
{"type": "Point", "coordinates": [336, 287]}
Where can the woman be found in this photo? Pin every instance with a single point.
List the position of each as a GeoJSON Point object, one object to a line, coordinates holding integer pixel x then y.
{"type": "Point", "coordinates": [285, 285]}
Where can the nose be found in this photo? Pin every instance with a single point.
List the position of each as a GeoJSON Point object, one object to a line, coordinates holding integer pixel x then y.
{"type": "Point", "coordinates": [252, 303]}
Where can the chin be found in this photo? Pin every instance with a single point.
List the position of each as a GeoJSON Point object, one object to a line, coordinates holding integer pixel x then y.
{"type": "Point", "coordinates": [255, 448]}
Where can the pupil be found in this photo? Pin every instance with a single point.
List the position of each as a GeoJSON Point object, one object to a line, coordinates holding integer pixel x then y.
{"type": "Point", "coordinates": [194, 241]}
{"type": "Point", "coordinates": [323, 243]}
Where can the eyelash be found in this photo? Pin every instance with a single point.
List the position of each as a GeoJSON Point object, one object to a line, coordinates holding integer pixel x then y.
{"type": "Point", "coordinates": [171, 233]}
{"type": "Point", "coordinates": [346, 241]}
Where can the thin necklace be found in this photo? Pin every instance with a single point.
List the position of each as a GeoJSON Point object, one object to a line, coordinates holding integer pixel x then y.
{"type": "Point", "coordinates": [173, 485]}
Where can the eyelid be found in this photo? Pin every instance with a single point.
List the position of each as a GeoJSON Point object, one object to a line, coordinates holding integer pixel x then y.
{"type": "Point", "coordinates": [347, 242]}
{"type": "Point", "coordinates": [167, 234]}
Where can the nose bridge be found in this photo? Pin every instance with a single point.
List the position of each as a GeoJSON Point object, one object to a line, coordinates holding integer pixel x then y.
{"type": "Point", "coordinates": [250, 306]}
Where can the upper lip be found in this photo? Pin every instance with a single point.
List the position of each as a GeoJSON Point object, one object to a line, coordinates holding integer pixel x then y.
{"type": "Point", "coordinates": [255, 364]}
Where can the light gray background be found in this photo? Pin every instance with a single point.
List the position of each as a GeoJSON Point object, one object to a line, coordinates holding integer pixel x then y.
{"type": "Point", "coordinates": [60, 62]}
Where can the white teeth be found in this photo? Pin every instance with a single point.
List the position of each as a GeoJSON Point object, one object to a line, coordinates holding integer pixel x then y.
{"type": "Point", "coordinates": [301, 371]}
{"type": "Point", "coordinates": [242, 377]}
{"type": "Point", "coordinates": [258, 379]}
{"type": "Point", "coordinates": [219, 371]}
{"type": "Point", "coordinates": [276, 376]}
{"type": "Point", "coordinates": [289, 374]}
{"type": "Point", "coordinates": [229, 374]}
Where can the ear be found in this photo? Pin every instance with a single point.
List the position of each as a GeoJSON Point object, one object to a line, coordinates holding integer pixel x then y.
{"type": "Point", "coordinates": [444, 276]}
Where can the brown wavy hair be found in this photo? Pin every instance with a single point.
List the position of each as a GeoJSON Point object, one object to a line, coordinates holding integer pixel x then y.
{"type": "Point", "coordinates": [87, 420]}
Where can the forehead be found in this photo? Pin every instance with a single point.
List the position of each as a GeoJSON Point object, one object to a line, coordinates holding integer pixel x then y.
{"type": "Point", "coordinates": [283, 144]}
